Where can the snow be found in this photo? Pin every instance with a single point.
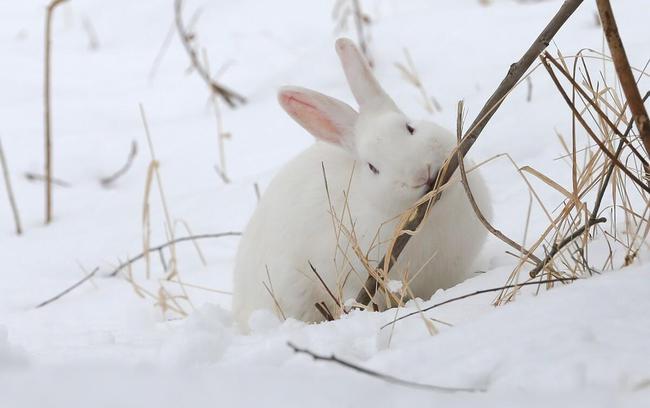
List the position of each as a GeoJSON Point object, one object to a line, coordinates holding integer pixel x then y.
{"type": "Point", "coordinates": [582, 345]}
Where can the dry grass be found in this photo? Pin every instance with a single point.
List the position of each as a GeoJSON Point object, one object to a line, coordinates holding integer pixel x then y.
{"type": "Point", "coordinates": [607, 169]}
{"type": "Point", "coordinates": [411, 75]}
{"type": "Point", "coordinates": [164, 285]}
{"type": "Point", "coordinates": [605, 203]}
{"type": "Point", "coordinates": [164, 299]}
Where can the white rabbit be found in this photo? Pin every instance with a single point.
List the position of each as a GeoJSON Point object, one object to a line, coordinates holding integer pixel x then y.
{"type": "Point", "coordinates": [380, 163]}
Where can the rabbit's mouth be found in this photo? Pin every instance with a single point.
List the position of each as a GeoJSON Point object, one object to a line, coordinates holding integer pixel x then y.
{"type": "Point", "coordinates": [429, 184]}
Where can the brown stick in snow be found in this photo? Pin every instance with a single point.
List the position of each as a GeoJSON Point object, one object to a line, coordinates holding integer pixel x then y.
{"type": "Point", "coordinates": [68, 290]}
{"type": "Point", "coordinates": [515, 73]}
{"type": "Point", "coordinates": [170, 243]}
{"type": "Point", "coordinates": [476, 293]}
{"type": "Point", "coordinates": [384, 377]}
{"type": "Point", "coordinates": [46, 96]}
{"type": "Point", "coordinates": [624, 72]}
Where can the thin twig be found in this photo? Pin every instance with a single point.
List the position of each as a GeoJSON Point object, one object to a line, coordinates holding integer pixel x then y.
{"type": "Point", "coordinates": [172, 242]}
{"type": "Point", "coordinates": [515, 73]}
{"type": "Point", "coordinates": [622, 65]}
{"type": "Point", "coordinates": [547, 57]}
{"type": "Point", "coordinates": [566, 241]}
{"type": "Point", "coordinates": [329, 292]}
{"type": "Point", "coordinates": [595, 106]}
{"type": "Point", "coordinates": [478, 292]}
{"type": "Point", "coordinates": [47, 111]}
{"type": "Point", "coordinates": [324, 311]}
{"type": "Point", "coordinates": [411, 75]}
{"type": "Point", "coordinates": [610, 170]}
{"type": "Point", "coordinates": [525, 253]}
{"type": "Point", "coordinates": [384, 377]}
{"type": "Point", "coordinates": [10, 191]}
{"type": "Point", "coordinates": [229, 96]}
{"type": "Point", "coordinates": [593, 218]}
{"type": "Point", "coordinates": [68, 290]}
{"type": "Point", "coordinates": [162, 51]}
{"type": "Point", "coordinates": [107, 181]}
{"type": "Point", "coordinates": [39, 177]}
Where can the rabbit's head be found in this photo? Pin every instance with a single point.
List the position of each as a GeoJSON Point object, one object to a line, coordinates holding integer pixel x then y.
{"type": "Point", "coordinates": [397, 158]}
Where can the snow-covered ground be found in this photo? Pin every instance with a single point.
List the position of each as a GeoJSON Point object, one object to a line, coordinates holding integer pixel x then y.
{"type": "Point", "coordinates": [585, 344]}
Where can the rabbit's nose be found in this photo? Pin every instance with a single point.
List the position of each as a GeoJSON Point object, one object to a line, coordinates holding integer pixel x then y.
{"type": "Point", "coordinates": [424, 177]}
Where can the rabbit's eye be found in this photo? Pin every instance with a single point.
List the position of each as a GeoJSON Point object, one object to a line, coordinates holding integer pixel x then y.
{"type": "Point", "coordinates": [373, 168]}
{"type": "Point", "coordinates": [410, 128]}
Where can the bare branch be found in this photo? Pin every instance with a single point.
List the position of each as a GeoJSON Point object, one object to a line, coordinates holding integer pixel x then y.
{"type": "Point", "coordinates": [172, 242]}
{"type": "Point", "coordinates": [479, 292]}
{"type": "Point", "coordinates": [68, 290]}
{"type": "Point", "coordinates": [46, 97]}
{"type": "Point", "coordinates": [566, 241]}
{"type": "Point", "coordinates": [384, 377]}
{"type": "Point", "coordinates": [515, 73]}
{"type": "Point", "coordinates": [622, 65]}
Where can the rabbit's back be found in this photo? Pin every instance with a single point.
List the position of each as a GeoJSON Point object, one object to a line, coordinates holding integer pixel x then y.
{"type": "Point", "coordinates": [290, 228]}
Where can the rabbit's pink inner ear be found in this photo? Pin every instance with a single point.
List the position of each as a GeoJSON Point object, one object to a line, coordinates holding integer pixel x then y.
{"type": "Point", "coordinates": [310, 118]}
{"type": "Point", "coordinates": [326, 118]}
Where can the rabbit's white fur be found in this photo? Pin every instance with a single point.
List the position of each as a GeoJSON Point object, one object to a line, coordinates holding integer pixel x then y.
{"type": "Point", "coordinates": [375, 168]}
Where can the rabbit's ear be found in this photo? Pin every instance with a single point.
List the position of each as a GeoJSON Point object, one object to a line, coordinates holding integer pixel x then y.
{"type": "Point", "coordinates": [326, 118]}
{"type": "Point", "coordinates": [364, 86]}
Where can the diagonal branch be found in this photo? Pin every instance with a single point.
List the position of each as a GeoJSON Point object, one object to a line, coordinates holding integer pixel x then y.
{"type": "Point", "coordinates": [68, 290]}
{"type": "Point", "coordinates": [479, 292]}
{"type": "Point", "coordinates": [622, 65]}
{"type": "Point", "coordinates": [614, 161]}
{"type": "Point", "coordinates": [372, 373]}
{"type": "Point", "coordinates": [170, 243]}
{"type": "Point", "coordinates": [515, 73]}
{"type": "Point", "coordinates": [545, 59]}
{"type": "Point", "coordinates": [525, 253]}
